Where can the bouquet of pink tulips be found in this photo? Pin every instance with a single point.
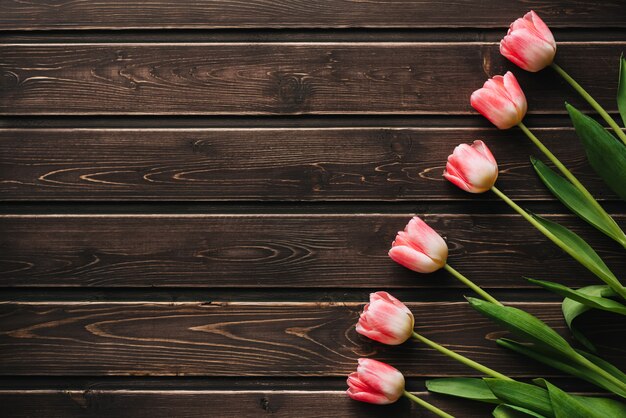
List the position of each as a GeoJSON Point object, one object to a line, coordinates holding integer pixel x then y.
{"type": "Point", "coordinates": [473, 168]}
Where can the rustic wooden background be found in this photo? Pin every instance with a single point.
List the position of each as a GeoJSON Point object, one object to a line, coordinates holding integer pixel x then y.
{"type": "Point", "coordinates": [198, 196]}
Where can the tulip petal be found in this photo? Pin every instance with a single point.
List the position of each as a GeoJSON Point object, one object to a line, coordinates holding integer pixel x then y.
{"type": "Point", "coordinates": [515, 94]}
{"type": "Point", "coordinates": [480, 146]}
{"type": "Point", "coordinates": [381, 377]}
{"type": "Point", "coordinates": [498, 109]}
{"type": "Point", "coordinates": [427, 239]}
{"type": "Point", "coordinates": [472, 168]}
{"type": "Point", "coordinates": [529, 43]}
{"type": "Point", "coordinates": [368, 397]}
{"type": "Point", "coordinates": [413, 260]}
{"type": "Point", "coordinates": [459, 182]}
{"type": "Point", "coordinates": [541, 28]}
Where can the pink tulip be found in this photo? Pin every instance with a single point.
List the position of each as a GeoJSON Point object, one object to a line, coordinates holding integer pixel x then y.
{"type": "Point", "coordinates": [385, 319]}
{"type": "Point", "coordinates": [501, 100]}
{"type": "Point", "coordinates": [529, 43]}
{"type": "Point", "coordinates": [419, 248]}
{"type": "Point", "coordinates": [472, 168]}
{"type": "Point", "coordinates": [375, 382]}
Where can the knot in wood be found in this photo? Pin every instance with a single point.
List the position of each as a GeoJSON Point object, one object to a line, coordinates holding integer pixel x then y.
{"type": "Point", "coordinates": [400, 142]}
{"type": "Point", "coordinates": [9, 80]}
{"type": "Point", "coordinates": [293, 91]}
{"type": "Point", "coordinates": [318, 178]}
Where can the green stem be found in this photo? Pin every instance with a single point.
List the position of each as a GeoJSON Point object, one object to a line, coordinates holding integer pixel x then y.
{"type": "Point", "coordinates": [471, 363]}
{"type": "Point", "coordinates": [568, 174]}
{"type": "Point", "coordinates": [591, 365]}
{"type": "Point", "coordinates": [613, 282]}
{"type": "Point", "coordinates": [471, 285]}
{"type": "Point", "coordinates": [591, 101]}
{"type": "Point", "coordinates": [432, 408]}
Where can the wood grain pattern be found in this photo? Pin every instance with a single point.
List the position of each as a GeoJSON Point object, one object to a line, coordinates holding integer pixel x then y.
{"type": "Point", "coordinates": [282, 78]}
{"type": "Point", "coordinates": [167, 14]}
{"type": "Point", "coordinates": [223, 404]}
{"type": "Point", "coordinates": [239, 339]}
{"type": "Point", "coordinates": [253, 251]}
{"type": "Point", "coordinates": [212, 290]}
{"type": "Point", "coordinates": [267, 164]}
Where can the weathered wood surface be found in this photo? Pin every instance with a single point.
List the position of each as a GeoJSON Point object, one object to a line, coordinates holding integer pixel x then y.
{"type": "Point", "coordinates": [278, 251]}
{"type": "Point", "coordinates": [282, 78]}
{"type": "Point", "coordinates": [167, 14]}
{"type": "Point", "coordinates": [233, 299]}
{"type": "Point", "coordinates": [240, 339]}
{"type": "Point", "coordinates": [390, 164]}
{"type": "Point", "coordinates": [224, 404]}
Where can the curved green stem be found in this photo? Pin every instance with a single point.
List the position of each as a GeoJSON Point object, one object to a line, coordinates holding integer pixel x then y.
{"type": "Point", "coordinates": [611, 281]}
{"type": "Point", "coordinates": [471, 285]}
{"type": "Point", "coordinates": [591, 365]}
{"type": "Point", "coordinates": [568, 174]}
{"type": "Point", "coordinates": [591, 101]}
{"type": "Point", "coordinates": [432, 408]}
{"type": "Point", "coordinates": [462, 359]}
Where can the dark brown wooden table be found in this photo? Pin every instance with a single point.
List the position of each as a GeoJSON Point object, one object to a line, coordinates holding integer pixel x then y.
{"type": "Point", "coordinates": [198, 196]}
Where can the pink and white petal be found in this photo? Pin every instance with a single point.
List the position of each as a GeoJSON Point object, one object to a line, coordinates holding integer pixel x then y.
{"type": "Point", "coordinates": [376, 335]}
{"type": "Point", "coordinates": [542, 29]}
{"type": "Point", "coordinates": [429, 240]}
{"type": "Point", "coordinates": [451, 169]}
{"type": "Point", "coordinates": [482, 176]}
{"type": "Point", "coordinates": [354, 382]}
{"type": "Point", "coordinates": [496, 84]}
{"type": "Point", "coordinates": [378, 399]}
{"type": "Point", "coordinates": [389, 298]}
{"type": "Point", "coordinates": [413, 260]}
{"type": "Point", "coordinates": [459, 182]}
{"type": "Point", "coordinates": [516, 94]}
{"type": "Point", "coordinates": [387, 317]}
{"type": "Point", "coordinates": [498, 109]}
{"type": "Point", "coordinates": [511, 52]}
{"type": "Point", "coordinates": [401, 239]}
{"type": "Point", "coordinates": [534, 52]}
{"type": "Point", "coordinates": [520, 23]}
{"type": "Point", "coordinates": [388, 381]}
{"type": "Point", "coordinates": [481, 147]}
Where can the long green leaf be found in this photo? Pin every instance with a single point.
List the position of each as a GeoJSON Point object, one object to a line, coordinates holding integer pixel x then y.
{"type": "Point", "coordinates": [606, 154]}
{"type": "Point", "coordinates": [577, 202]}
{"type": "Point", "coordinates": [525, 325]}
{"type": "Point", "coordinates": [463, 387]}
{"type": "Point", "coordinates": [581, 251]}
{"type": "Point", "coordinates": [572, 309]}
{"type": "Point", "coordinates": [520, 394]}
{"type": "Point", "coordinates": [512, 411]}
{"type": "Point", "coordinates": [558, 363]}
{"type": "Point", "coordinates": [596, 302]}
{"type": "Point", "coordinates": [611, 407]}
{"type": "Point", "coordinates": [621, 89]}
{"type": "Point", "coordinates": [565, 405]}
{"type": "Point", "coordinates": [604, 365]}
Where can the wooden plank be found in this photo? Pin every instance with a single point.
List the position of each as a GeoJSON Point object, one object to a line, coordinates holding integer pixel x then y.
{"type": "Point", "coordinates": [287, 251]}
{"type": "Point", "coordinates": [196, 14]}
{"type": "Point", "coordinates": [241, 339]}
{"type": "Point", "coordinates": [224, 404]}
{"type": "Point", "coordinates": [267, 164]}
{"type": "Point", "coordinates": [282, 78]}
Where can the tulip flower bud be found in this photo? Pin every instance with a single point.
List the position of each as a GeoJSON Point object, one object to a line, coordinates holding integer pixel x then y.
{"type": "Point", "coordinates": [472, 168]}
{"type": "Point", "coordinates": [529, 44]}
{"type": "Point", "coordinates": [375, 382]}
{"type": "Point", "coordinates": [419, 248]}
{"type": "Point", "coordinates": [501, 100]}
{"type": "Point", "coordinates": [385, 319]}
